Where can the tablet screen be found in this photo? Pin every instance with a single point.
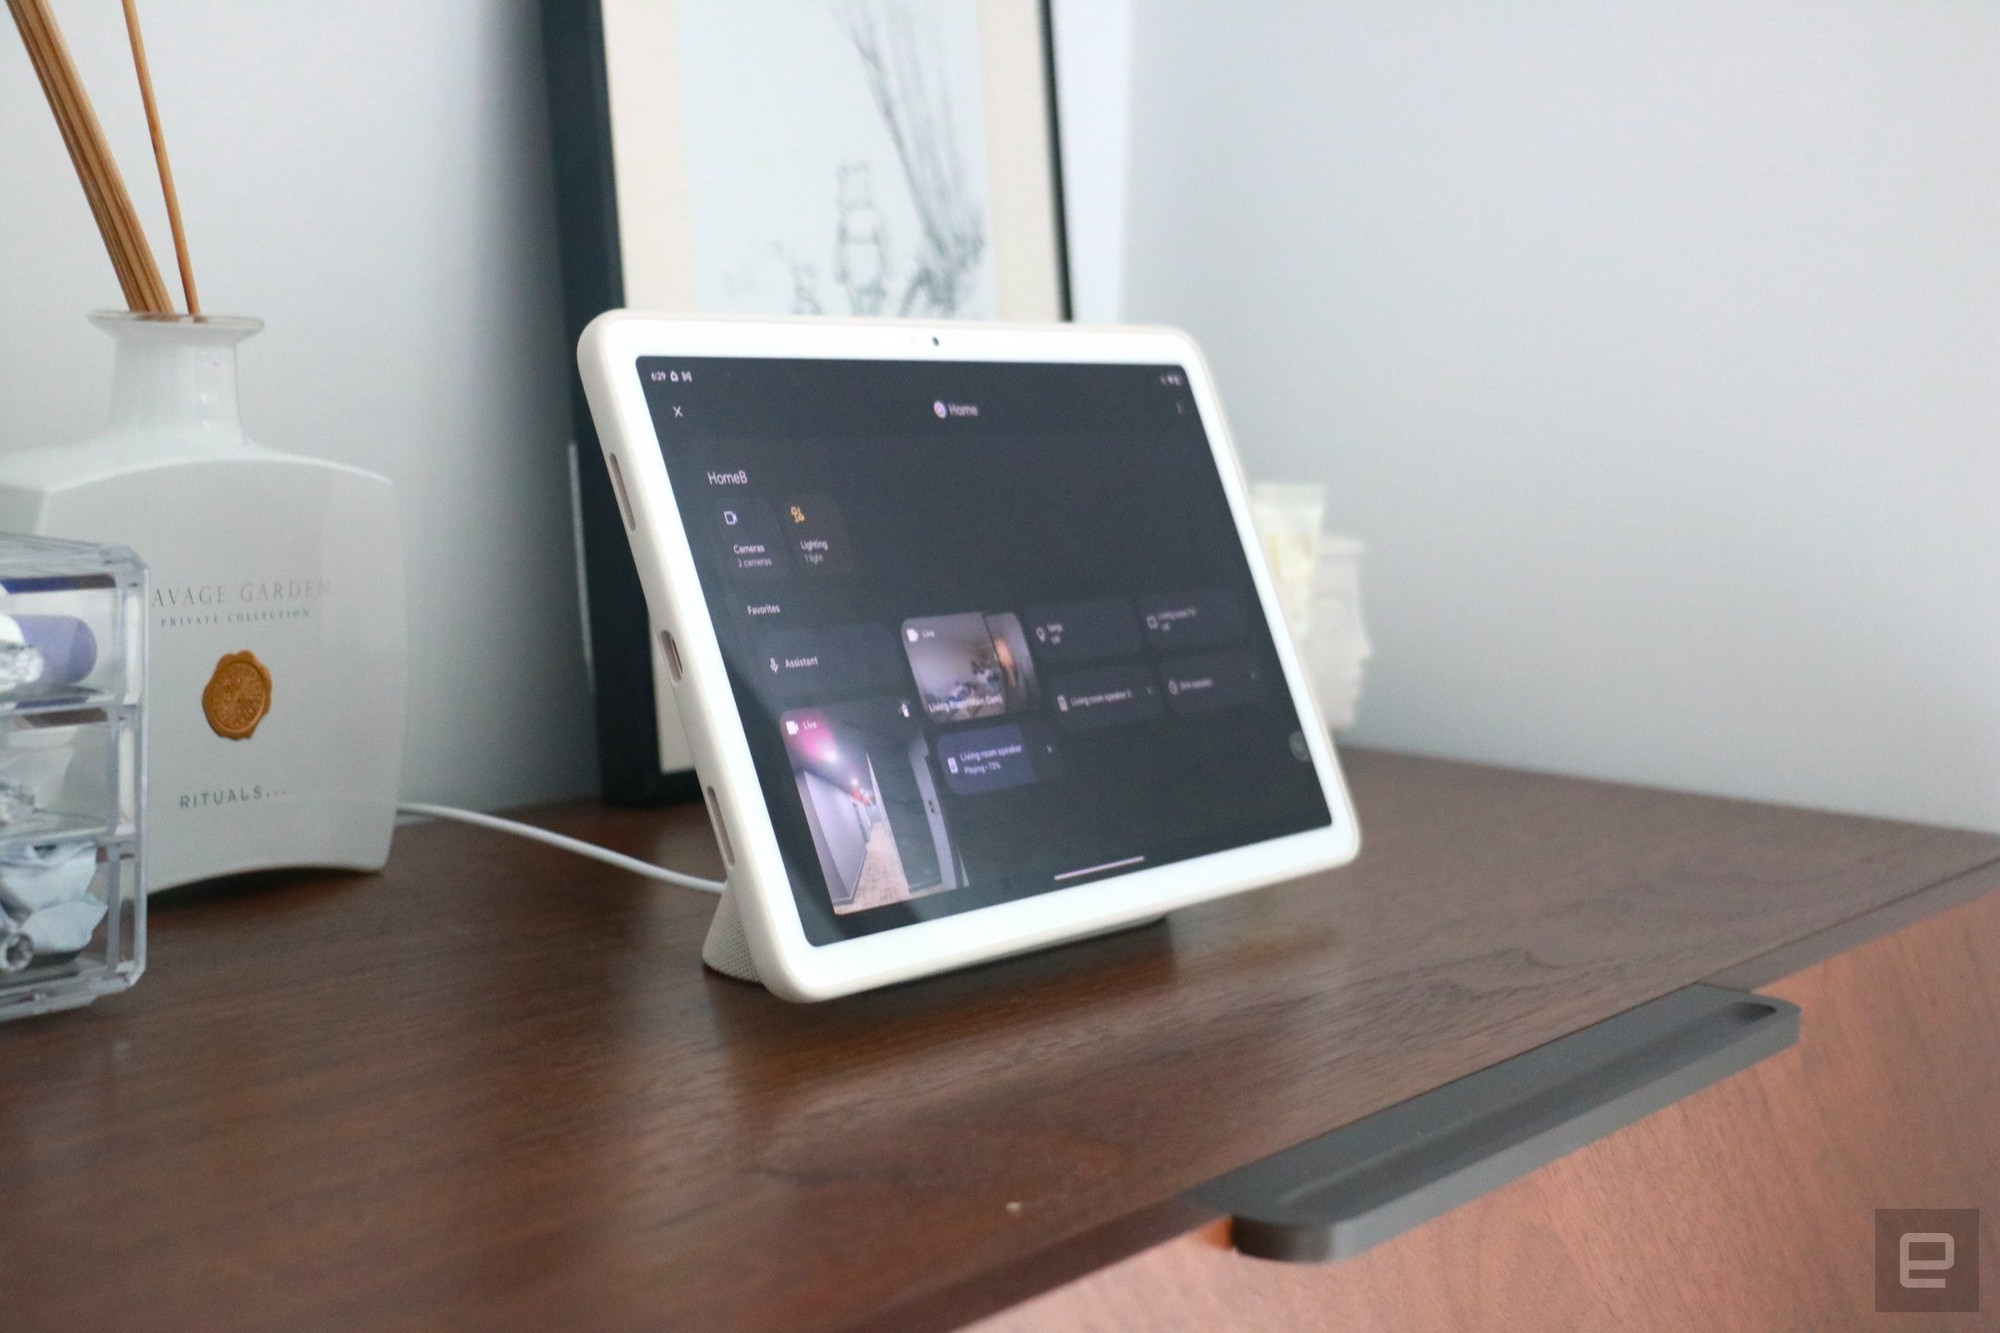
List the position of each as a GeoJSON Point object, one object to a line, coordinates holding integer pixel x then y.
{"type": "Point", "coordinates": [990, 627]}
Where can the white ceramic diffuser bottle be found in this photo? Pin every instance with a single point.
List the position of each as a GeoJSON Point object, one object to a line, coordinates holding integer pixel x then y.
{"type": "Point", "coordinates": [276, 687]}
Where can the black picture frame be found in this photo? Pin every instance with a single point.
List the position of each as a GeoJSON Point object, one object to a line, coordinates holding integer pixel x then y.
{"type": "Point", "coordinates": [617, 628]}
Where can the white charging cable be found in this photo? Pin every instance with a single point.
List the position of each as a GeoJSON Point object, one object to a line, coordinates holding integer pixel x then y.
{"type": "Point", "coordinates": [576, 845]}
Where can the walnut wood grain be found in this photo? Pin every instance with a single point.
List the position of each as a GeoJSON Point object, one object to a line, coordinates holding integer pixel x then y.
{"type": "Point", "coordinates": [1749, 1205]}
{"type": "Point", "coordinates": [491, 1087]}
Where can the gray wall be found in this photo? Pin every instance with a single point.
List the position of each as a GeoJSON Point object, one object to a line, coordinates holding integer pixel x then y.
{"type": "Point", "coordinates": [1653, 349]}
{"type": "Point", "coordinates": [1093, 47]}
{"type": "Point", "coordinates": [371, 178]}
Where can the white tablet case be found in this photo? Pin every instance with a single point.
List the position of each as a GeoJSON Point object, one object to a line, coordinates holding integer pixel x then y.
{"type": "Point", "coordinates": [608, 354]}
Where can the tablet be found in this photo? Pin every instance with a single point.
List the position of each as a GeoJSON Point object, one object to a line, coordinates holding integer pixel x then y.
{"type": "Point", "coordinates": [968, 630]}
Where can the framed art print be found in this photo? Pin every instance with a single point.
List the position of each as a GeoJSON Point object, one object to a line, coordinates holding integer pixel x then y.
{"type": "Point", "coordinates": [852, 158]}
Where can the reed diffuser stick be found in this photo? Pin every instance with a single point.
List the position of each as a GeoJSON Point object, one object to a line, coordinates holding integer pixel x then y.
{"type": "Point", "coordinates": [50, 60]}
{"type": "Point", "coordinates": [88, 152]}
{"type": "Point", "coordinates": [124, 239]}
{"type": "Point", "coordinates": [160, 155]}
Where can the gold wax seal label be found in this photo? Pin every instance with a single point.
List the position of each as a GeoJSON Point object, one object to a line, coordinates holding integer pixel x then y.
{"type": "Point", "coordinates": [237, 696]}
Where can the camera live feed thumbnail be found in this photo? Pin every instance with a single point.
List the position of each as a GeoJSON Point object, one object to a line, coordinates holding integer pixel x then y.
{"type": "Point", "coordinates": [864, 777]}
{"type": "Point", "coordinates": [970, 666]}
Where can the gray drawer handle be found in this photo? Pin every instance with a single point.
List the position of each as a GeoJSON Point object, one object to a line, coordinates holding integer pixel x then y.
{"type": "Point", "coordinates": [1341, 1193]}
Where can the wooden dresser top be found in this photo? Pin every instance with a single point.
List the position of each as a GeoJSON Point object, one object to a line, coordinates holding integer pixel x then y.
{"type": "Point", "coordinates": [492, 1086]}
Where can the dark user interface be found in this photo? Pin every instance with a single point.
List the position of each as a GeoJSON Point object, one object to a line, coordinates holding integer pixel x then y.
{"type": "Point", "coordinates": [990, 627]}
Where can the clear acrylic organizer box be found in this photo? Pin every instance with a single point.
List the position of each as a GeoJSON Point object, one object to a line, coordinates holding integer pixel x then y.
{"type": "Point", "coordinates": [72, 773]}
